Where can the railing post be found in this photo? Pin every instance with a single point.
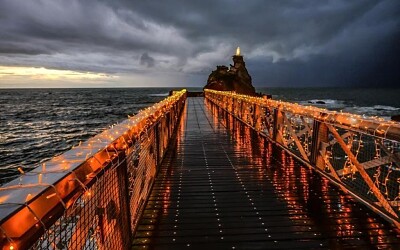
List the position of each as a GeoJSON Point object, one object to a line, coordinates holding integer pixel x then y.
{"type": "Point", "coordinates": [235, 106]}
{"type": "Point", "coordinates": [157, 143]}
{"type": "Point", "coordinates": [232, 104]}
{"type": "Point", "coordinates": [256, 115]}
{"type": "Point", "coordinates": [125, 214]}
{"type": "Point", "coordinates": [168, 116]}
{"type": "Point", "coordinates": [320, 135]}
{"type": "Point", "coordinates": [278, 125]}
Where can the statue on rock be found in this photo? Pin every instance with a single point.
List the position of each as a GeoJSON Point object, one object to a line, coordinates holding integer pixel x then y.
{"type": "Point", "coordinates": [236, 78]}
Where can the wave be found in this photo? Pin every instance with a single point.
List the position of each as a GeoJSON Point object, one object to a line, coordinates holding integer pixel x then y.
{"type": "Point", "coordinates": [159, 94]}
{"type": "Point", "coordinates": [383, 107]}
{"type": "Point", "coordinates": [325, 103]}
{"type": "Point", "coordinates": [383, 111]}
{"type": "Point", "coordinates": [38, 126]}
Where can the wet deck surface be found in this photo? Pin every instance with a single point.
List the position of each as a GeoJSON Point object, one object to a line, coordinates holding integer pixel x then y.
{"type": "Point", "coordinates": [220, 187]}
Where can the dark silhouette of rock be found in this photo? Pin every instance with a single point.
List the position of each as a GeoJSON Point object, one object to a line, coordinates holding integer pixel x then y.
{"type": "Point", "coordinates": [317, 102]}
{"type": "Point", "coordinates": [236, 78]}
{"type": "Point", "coordinates": [396, 118]}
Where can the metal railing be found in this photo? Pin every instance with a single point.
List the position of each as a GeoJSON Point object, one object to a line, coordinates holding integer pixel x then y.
{"type": "Point", "coordinates": [90, 197]}
{"type": "Point", "coordinates": [359, 154]}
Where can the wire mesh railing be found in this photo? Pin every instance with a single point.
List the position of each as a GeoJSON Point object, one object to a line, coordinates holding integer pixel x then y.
{"type": "Point", "coordinates": [92, 196]}
{"type": "Point", "coordinates": [359, 154]}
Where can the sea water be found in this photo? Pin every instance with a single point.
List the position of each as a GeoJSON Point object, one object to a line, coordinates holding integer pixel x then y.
{"type": "Point", "coordinates": [37, 124]}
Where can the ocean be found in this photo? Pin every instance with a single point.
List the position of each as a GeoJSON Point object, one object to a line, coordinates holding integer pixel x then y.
{"type": "Point", "coordinates": [37, 124]}
{"type": "Point", "coordinates": [363, 101]}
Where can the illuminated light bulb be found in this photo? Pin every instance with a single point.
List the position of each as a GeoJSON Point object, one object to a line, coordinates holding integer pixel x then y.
{"type": "Point", "coordinates": [21, 170]}
{"type": "Point", "coordinates": [12, 247]}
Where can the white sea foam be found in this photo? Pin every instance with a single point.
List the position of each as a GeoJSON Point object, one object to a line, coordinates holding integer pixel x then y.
{"type": "Point", "coordinates": [325, 103]}
{"type": "Point", "coordinates": [382, 111]}
{"type": "Point", "coordinates": [383, 107]}
{"type": "Point", "coordinates": [377, 110]}
{"type": "Point", "coordinates": [160, 94]}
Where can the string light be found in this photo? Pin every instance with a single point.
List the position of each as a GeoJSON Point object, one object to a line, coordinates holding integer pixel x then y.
{"type": "Point", "coordinates": [386, 179]}
{"type": "Point", "coordinates": [371, 125]}
{"type": "Point", "coordinates": [327, 159]}
{"type": "Point", "coordinates": [104, 147]}
{"type": "Point", "coordinates": [397, 198]}
{"type": "Point", "coordinates": [295, 124]}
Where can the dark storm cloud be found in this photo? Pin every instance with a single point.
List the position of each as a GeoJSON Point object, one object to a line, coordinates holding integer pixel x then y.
{"type": "Point", "coordinates": [147, 60]}
{"type": "Point", "coordinates": [308, 42]}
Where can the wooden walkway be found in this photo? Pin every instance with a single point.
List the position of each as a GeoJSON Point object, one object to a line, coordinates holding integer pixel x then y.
{"type": "Point", "coordinates": [220, 188]}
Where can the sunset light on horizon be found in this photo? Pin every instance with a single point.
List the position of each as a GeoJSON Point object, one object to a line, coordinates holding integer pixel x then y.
{"type": "Point", "coordinates": [41, 73]}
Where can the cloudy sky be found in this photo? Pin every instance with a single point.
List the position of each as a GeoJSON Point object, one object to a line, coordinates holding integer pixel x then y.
{"type": "Point", "coordinates": [100, 43]}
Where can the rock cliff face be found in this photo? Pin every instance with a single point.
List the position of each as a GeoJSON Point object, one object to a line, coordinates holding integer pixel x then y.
{"type": "Point", "coordinates": [236, 78]}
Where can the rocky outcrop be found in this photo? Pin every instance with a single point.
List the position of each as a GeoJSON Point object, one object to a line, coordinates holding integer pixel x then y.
{"type": "Point", "coordinates": [236, 78]}
{"type": "Point", "coordinates": [396, 118]}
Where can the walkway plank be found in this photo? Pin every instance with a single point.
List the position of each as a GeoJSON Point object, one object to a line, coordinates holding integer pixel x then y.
{"type": "Point", "coordinates": [218, 187]}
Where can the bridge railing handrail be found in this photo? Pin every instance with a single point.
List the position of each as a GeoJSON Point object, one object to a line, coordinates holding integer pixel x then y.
{"type": "Point", "coordinates": [95, 180]}
{"type": "Point", "coordinates": [368, 124]}
{"type": "Point", "coordinates": [359, 154]}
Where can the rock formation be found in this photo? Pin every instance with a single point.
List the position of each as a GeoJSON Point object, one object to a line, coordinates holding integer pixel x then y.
{"type": "Point", "coordinates": [396, 118]}
{"type": "Point", "coordinates": [236, 78]}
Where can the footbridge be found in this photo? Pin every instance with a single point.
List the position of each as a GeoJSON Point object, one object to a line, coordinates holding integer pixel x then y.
{"type": "Point", "coordinates": [218, 171]}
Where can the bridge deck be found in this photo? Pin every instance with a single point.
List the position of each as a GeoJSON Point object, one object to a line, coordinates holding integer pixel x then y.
{"type": "Point", "coordinates": [219, 187]}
